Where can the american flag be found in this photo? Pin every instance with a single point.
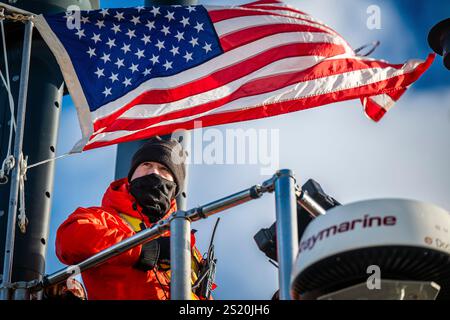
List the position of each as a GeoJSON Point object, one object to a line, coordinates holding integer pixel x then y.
{"type": "Point", "coordinates": [138, 72]}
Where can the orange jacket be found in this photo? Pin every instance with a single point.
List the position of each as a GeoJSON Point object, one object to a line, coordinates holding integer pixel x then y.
{"type": "Point", "coordinates": [87, 231]}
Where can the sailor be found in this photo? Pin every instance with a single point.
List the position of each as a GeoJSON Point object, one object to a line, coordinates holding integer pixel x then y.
{"type": "Point", "coordinates": [129, 205]}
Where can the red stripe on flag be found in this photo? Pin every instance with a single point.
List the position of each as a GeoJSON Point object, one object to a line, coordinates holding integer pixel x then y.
{"type": "Point", "coordinates": [263, 2]}
{"type": "Point", "coordinates": [395, 95]}
{"type": "Point", "coordinates": [273, 83]}
{"type": "Point", "coordinates": [243, 37]}
{"type": "Point", "coordinates": [269, 110]}
{"type": "Point", "coordinates": [272, 8]}
{"type": "Point", "coordinates": [324, 69]}
{"type": "Point", "coordinates": [226, 14]}
{"type": "Point", "coordinates": [373, 110]}
{"type": "Point", "coordinates": [222, 77]}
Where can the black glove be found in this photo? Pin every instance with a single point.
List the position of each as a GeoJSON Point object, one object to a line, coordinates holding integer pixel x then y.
{"type": "Point", "coordinates": [155, 252]}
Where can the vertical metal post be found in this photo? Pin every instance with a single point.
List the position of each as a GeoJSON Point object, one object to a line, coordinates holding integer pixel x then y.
{"type": "Point", "coordinates": [180, 257]}
{"type": "Point", "coordinates": [287, 234]}
{"type": "Point", "coordinates": [21, 291]}
{"type": "Point", "coordinates": [18, 142]}
{"type": "Point", "coordinates": [180, 235]}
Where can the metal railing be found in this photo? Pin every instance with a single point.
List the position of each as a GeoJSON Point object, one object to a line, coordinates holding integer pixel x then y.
{"type": "Point", "coordinates": [286, 194]}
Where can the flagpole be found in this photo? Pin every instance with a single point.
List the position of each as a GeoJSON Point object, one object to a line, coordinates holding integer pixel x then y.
{"type": "Point", "coordinates": [18, 143]}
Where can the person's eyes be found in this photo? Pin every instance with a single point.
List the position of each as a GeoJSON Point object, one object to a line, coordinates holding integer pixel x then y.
{"type": "Point", "coordinates": [148, 165]}
{"type": "Point", "coordinates": [164, 169]}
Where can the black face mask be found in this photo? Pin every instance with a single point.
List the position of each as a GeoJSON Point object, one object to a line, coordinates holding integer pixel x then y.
{"type": "Point", "coordinates": [153, 193]}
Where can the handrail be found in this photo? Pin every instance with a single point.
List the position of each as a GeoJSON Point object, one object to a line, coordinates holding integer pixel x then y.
{"type": "Point", "coordinates": [286, 192]}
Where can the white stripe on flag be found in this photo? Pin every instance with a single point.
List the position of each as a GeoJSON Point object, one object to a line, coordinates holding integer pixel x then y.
{"type": "Point", "coordinates": [322, 86]}
{"type": "Point", "coordinates": [278, 10]}
{"type": "Point", "coordinates": [289, 65]}
{"type": "Point", "coordinates": [384, 101]}
{"type": "Point", "coordinates": [225, 60]}
{"type": "Point", "coordinates": [229, 26]}
{"type": "Point", "coordinates": [313, 23]}
{"type": "Point", "coordinates": [302, 90]}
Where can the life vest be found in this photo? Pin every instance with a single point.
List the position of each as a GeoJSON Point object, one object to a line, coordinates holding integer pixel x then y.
{"type": "Point", "coordinates": [196, 257]}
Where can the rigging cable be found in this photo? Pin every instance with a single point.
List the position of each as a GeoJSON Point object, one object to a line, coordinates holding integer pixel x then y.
{"type": "Point", "coordinates": [49, 160]}
{"type": "Point", "coordinates": [9, 161]}
{"type": "Point", "coordinates": [374, 45]}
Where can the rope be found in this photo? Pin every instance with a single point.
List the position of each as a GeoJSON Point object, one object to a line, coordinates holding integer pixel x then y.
{"type": "Point", "coordinates": [6, 82]}
{"type": "Point", "coordinates": [14, 14]}
{"type": "Point", "coordinates": [7, 165]}
{"type": "Point", "coordinates": [15, 10]}
{"type": "Point", "coordinates": [23, 220]}
{"type": "Point", "coordinates": [49, 160]}
{"type": "Point", "coordinates": [23, 167]}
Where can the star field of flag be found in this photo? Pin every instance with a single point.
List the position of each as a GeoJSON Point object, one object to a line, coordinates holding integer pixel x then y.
{"type": "Point", "coordinates": [115, 50]}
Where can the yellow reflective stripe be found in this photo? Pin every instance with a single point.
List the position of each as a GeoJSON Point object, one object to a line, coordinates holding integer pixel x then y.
{"type": "Point", "coordinates": [133, 222]}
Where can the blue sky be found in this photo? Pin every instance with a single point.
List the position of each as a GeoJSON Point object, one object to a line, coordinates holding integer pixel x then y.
{"type": "Point", "coordinates": [406, 155]}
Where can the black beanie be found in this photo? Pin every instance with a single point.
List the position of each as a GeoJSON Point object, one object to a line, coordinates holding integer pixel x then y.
{"type": "Point", "coordinates": [162, 151]}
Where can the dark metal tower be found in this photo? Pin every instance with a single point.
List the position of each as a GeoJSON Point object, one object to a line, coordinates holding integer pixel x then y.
{"type": "Point", "coordinates": [45, 92]}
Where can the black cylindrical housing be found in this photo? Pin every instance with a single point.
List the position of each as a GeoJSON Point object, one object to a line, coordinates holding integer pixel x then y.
{"type": "Point", "coordinates": [439, 40]}
{"type": "Point", "coordinates": [446, 49]}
